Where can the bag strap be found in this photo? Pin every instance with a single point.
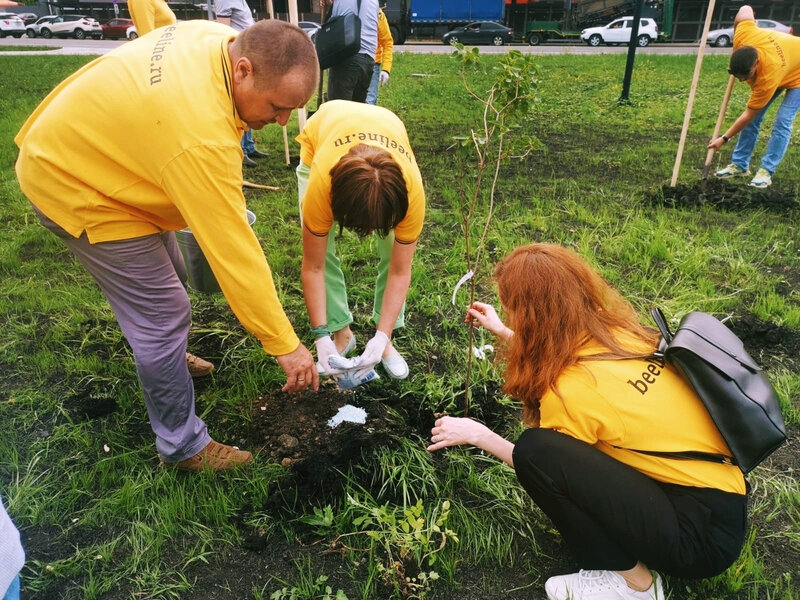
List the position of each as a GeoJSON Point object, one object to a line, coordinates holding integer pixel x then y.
{"type": "Point", "coordinates": [661, 323]}
{"type": "Point", "coordinates": [687, 455]}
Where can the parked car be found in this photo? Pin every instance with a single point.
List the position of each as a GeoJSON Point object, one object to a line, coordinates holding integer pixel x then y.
{"type": "Point", "coordinates": [724, 37]}
{"type": "Point", "coordinates": [480, 32]}
{"type": "Point", "coordinates": [619, 32]}
{"type": "Point", "coordinates": [309, 27]}
{"type": "Point", "coordinates": [28, 18]}
{"type": "Point", "coordinates": [131, 32]}
{"type": "Point", "coordinates": [116, 28]}
{"type": "Point", "coordinates": [77, 26]}
{"type": "Point", "coordinates": [34, 29]}
{"type": "Point", "coordinates": [11, 24]}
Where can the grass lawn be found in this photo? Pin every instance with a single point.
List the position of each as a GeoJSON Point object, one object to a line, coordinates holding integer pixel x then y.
{"type": "Point", "coordinates": [364, 511]}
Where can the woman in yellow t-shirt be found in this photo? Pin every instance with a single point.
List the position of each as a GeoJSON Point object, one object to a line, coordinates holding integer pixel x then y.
{"type": "Point", "coordinates": [357, 171]}
{"type": "Point", "coordinates": [573, 358]}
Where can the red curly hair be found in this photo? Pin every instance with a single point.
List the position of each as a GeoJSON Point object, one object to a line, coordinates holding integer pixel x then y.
{"type": "Point", "coordinates": [557, 304]}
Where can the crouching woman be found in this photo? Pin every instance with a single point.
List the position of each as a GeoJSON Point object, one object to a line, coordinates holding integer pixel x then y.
{"type": "Point", "coordinates": [572, 351]}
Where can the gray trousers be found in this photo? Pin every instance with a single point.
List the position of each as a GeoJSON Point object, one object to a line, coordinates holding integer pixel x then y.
{"type": "Point", "coordinates": [143, 281]}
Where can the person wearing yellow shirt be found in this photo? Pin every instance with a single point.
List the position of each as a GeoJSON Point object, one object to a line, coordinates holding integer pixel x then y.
{"type": "Point", "coordinates": [115, 199]}
{"type": "Point", "coordinates": [768, 62]}
{"type": "Point", "coordinates": [383, 59]}
{"type": "Point", "coordinates": [357, 171]}
{"type": "Point", "coordinates": [573, 354]}
{"type": "Point", "coordinates": [148, 15]}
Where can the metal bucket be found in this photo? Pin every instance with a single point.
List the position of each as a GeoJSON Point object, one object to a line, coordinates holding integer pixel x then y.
{"type": "Point", "coordinates": [198, 271]}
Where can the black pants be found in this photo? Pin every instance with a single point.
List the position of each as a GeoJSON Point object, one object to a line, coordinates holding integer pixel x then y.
{"type": "Point", "coordinates": [611, 515]}
{"type": "Point", "coordinates": [349, 80]}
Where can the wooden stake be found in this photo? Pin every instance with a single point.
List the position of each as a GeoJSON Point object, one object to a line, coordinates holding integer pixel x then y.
{"type": "Point", "coordinates": [720, 118]}
{"type": "Point", "coordinates": [258, 186]}
{"type": "Point", "coordinates": [700, 52]}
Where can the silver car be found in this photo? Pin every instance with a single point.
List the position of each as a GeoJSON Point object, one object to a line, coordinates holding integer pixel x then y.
{"type": "Point", "coordinates": [724, 37]}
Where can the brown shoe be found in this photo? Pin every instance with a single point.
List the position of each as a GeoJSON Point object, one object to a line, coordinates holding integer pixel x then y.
{"type": "Point", "coordinates": [198, 367]}
{"type": "Point", "coordinates": [214, 457]}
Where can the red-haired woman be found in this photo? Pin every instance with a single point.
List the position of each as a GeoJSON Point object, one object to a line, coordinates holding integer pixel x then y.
{"type": "Point", "coordinates": [573, 358]}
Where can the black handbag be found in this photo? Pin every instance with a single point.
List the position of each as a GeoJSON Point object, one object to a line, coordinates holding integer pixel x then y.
{"type": "Point", "coordinates": [338, 38]}
{"type": "Point", "coordinates": [738, 396]}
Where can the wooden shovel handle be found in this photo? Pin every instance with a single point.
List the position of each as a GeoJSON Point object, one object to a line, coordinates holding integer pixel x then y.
{"type": "Point", "coordinates": [720, 118]}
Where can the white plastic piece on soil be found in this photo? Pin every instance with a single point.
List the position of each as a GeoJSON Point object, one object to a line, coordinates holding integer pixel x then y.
{"type": "Point", "coordinates": [467, 276]}
{"type": "Point", "coordinates": [350, 414]}
{"type": "Point", "coordinates": [482, 351]}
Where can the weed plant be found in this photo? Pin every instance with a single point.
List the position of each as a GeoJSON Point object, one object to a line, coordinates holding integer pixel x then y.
{"type": "Point", "coordinates": [104, 521]}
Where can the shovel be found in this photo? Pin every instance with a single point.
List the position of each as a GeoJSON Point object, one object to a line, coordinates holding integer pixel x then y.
{"type": "Point", "coordinates": [721, 117]}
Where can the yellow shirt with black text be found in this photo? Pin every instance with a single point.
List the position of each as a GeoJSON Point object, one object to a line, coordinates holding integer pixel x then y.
{"type": "Point", "coordinates": [146, 139]}
{"type": "Point", "coordinates": [329, 134]}
{"type": "Point", "coordinates": [642, 404]}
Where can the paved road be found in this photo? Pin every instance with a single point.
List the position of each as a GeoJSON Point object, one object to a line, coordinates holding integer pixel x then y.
{"type": "Point", "coordinates": [71, 46]}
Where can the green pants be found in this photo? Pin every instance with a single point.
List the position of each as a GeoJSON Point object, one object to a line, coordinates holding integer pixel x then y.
{"type": "Point", "coordinates": [339, 315]}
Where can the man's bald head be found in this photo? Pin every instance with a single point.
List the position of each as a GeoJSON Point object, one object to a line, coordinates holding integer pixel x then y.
{"type": "Point", "coordinates": [275, 48]}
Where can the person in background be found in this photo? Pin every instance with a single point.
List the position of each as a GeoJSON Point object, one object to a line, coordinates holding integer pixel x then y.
{"type": "Point", "coordinates": [111, 198]}
{"type": "Point", "coordinates": [12, 557]}
{"type": "Point", "coordinates": [357, 170]}
{"type": "Point", "coordinates": [148, 15]}
{"type": "Point", "coordinates": [349, 79]}
{"type": "Point", "coordinates": [573, 351]}
{"type": "Point", "coordinates": [239, 15]}
{"type": "Point", "coordinates": [768, 62]}
{"type": "Point", "coordinates": [383, 58]}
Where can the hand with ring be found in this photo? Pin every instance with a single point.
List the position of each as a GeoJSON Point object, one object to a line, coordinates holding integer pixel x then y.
{"type": "Point", "coordinates": [301, 372]}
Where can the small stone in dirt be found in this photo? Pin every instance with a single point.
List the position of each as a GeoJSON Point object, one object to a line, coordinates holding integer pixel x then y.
{"type": "Point", "coordinates": [350, 414]}
{"type": "Point", "coordinates": [287, 441]}
{"type": "Point", "coordinates": [286, 462]}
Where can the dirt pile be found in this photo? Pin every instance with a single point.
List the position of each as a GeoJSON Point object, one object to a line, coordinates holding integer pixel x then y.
{"type": "Point", "coordinates": [724, 195]}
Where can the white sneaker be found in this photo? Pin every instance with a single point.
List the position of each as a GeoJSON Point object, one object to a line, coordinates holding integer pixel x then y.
{"type": "Point", "coordinates": [732, 170]}
{"type": "Point", "coordinates": [762, 178]}
{"type": "Point", "coordinates": [599, 585]}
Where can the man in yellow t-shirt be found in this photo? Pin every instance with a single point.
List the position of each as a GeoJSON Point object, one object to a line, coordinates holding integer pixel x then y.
{"type": "Point", "coordinates": [357, 170]}
{"type": "Point", "coordinates": [142, 142]}
{"type": "Point", "coordinates": [148, 15]}
{"type": "Point", "coordinates": [768, 62]}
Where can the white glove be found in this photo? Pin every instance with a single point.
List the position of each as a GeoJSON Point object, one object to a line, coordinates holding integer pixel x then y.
{"type": "Point", "coordinates": [348, 379]}
{"type": "Point", "coordinates": [363, 364]}
{"type": "Point", "coordinates": [326, 349]}
{"type": "Point", "coordinates": [383, 78]}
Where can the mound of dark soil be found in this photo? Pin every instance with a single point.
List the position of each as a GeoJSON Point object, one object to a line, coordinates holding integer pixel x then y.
{"type": "Point", "coordinates": [724, 195]}
{"type": "Point", "coordinates": [294, 430]}
{"type": "Point", "coordinates": [762, 338]}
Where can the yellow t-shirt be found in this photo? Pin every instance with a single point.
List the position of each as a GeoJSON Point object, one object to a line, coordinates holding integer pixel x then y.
{"type": "Point", "coordinates": [146, 139]}
{"type": "Point", "coordinates": [148, 15]}
{"type": "Point", "coordinates": [778, 61]}
{"type": "Point", "coordinates": [330, 134]}
{"type": "Point", "coordinates": [643, 405]}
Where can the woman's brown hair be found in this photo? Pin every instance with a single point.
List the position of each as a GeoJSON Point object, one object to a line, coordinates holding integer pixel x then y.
{"type": "Point", "coordinates": [368, 192]}
{"type": "Point", "coordinates": [557, 304]}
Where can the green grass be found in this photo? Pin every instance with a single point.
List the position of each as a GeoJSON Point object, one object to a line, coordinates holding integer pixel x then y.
{"type": "Point", "coordinates": [27, 48]}
{"type": "Point", "coordinates": [136, 531]}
